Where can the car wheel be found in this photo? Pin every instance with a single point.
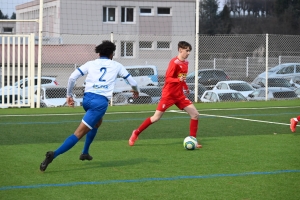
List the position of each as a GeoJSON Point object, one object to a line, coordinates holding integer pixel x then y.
{"type": "Point", "coordinates": [130, 100]}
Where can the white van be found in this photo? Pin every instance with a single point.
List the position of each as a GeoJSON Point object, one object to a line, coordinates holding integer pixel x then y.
{"type": "Point", "coordinates": [144, 75]}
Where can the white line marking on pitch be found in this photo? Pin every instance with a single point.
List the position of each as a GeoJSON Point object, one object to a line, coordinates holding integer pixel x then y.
{"type": "Point", "coordinates": [245, 119]}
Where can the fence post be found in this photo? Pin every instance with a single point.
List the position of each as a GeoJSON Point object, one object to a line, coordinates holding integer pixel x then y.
{"type": "Point", "coordinates": [112, 40]}
{"type": "Point", "coordinates": [214, 63]}
{"type": "Point", "coordinates": [197, 49]}
{"type": "Point", "coordinates": [267, 56]}
{"type": "Point", "coordinates": [247, 67]}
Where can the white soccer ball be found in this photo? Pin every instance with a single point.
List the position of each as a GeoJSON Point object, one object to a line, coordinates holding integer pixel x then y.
{"type": "Point", "coordinates": [190, 143]}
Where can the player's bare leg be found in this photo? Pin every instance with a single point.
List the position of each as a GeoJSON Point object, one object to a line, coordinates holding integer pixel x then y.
{"type": "Point", "coordinates": [194, 114]}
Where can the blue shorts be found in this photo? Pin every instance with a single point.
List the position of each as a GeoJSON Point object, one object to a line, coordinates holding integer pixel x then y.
{"type": "Point", "coordinates": [95, 106]}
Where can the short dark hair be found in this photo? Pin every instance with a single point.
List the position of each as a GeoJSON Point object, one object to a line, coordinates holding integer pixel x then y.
{"type": "Point", "coordinates": [184, 45]}
{"type": "Point", "coordinates": [106, 48]}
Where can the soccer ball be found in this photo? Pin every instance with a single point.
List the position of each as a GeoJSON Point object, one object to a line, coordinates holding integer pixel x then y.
{"type": "Point", "coordinates": [190, 143]}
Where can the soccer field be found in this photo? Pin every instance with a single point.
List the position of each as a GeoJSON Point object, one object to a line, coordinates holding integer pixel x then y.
{"type": "Point", "coordinates": [248, 153]}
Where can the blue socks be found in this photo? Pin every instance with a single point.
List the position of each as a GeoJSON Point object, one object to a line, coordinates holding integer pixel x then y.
{"type": "Point", "coordinates": [68, 144]}
{"type": "Point", "coordinates": [88, 140]}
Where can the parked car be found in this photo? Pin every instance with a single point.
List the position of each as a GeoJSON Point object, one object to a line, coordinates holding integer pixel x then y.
{"type": "Point", "coordinates": [124, 98]}
{"type": "Point", "coordinates": [278, 93]}
{"type": "Point", "coordinates": [23, 85]}
{"type": "Point", "coordinates": [243, 87]}
{"type": "Point", "coordinates": [8, 100]}
{"type": "Point", "coordinates": [144, 75]}
{"type": "Point", "coordinates": [55, 97]}
{"type": "Point", "coordinates": [153, 91]}
{"type": "Point", "coordinates": [201, 90]}
{"type": "Point", "coordinates": [295, 81]}
{"type": "Point", "coordinates": [260, 82]}
{"type": "Point", "coordinates": [297, 91]}
{"type": "Point", "coordinates": [208, 77]}
{"type": "Point", "coordinates": [285, 70]}
{"type": "Point", "coordinates": [222, 95]}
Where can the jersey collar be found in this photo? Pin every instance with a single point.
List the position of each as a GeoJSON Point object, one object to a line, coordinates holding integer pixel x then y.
{"type": "Point", "coordinates": [103, 57]}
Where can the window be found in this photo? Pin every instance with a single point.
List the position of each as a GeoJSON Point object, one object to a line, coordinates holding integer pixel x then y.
{"type": "Point", "coordinates": [164, 11]}
{"type": "Point", "coordinates": [297, 68]}
{"type": "Point", "coordinates": [109, 14]}
{"type": "Point", "coordinates": [163, 45]}
{"type": "Point", "coordinates": [52, 93]}
{"type": "Point", "coordinates": [7, 30]}
{"type": "Point", "coordinates": [126, 49]}
{"type": "Point", "coordinates": [141, 72]}
{"type": "Point", "coordinates": [127, 14]}
{"type": "Point", "coordinates": [286, 70]}
{"type": "Point", "coordinates": [145, 45]}
{"type": "Point", "coordinates": [146, 11]}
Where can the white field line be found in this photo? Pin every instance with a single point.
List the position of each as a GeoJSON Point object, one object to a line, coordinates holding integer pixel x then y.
{"type": "Point", "coordinates": [69, 114]}
{"type": "Point", "coordinates": [179, 111]}
{"type": "Point", "coordinates": [227, 117]}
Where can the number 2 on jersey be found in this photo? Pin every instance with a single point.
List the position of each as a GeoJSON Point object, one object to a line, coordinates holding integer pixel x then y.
{"type": "Point", "coordinates": [103, 71]}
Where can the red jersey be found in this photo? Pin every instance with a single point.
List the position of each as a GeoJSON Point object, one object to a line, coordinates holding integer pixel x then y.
{"type": "Point", "coordinates": [173, 87]}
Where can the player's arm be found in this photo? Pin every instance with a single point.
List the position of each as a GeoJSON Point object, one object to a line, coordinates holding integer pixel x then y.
{"type": "Point", "coordinates": [171, 76]}
{"type": "Point", "coordinates": [134, 86]}
{"type": "Point", "coordinates": [71, 83]}
{"type": "Point", "coordinates": [131, 81]}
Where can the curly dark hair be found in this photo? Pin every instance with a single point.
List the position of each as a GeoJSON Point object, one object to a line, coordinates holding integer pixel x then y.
{"type": "Point", "coordinates": [106, 48]}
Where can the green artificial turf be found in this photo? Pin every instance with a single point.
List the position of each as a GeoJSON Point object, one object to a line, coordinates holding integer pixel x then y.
{"type": "Point", "coordinates": [248, 153]}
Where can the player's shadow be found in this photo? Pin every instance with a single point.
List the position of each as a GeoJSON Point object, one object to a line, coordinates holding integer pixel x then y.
{"type": "Point", "coordinates": [103, 164]}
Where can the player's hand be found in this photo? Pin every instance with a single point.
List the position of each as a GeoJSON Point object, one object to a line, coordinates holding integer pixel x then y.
{"type": "Point", "coordinates": [135, 94]}
{"type": "Point", "coordinates": [70, 101]}
{"type": "Point", "coordinates": [182, 78]}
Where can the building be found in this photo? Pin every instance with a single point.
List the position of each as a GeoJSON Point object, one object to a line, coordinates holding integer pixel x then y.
{"type": "Point", "coordinates": [145, 32]}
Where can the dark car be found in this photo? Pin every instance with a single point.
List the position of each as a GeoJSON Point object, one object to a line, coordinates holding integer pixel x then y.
{"type": "Point", "coordinates": [124, 98]}
{"type": "Point", "coordinates": [208, 77]}
{"type": "Point", "coordinates": [191, 95]}
{"type": "Point", "coordinates": [153, 91]}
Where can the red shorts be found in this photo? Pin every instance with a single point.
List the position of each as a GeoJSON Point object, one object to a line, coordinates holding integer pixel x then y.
{"type": "Point", "coordinates": [181, 103]}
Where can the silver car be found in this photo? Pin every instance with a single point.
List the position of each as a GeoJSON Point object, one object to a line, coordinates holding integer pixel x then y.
{"type": "Point", "coordinates": [278, 93]}
{"type": "Point", "coordinates": [260, 82]}
{"type": "Point", "coordinates": [285, 70]}
{"type": "Point", "coordinates": [222, 95]}
{"type": "Point", "coordinates": [243, 87]}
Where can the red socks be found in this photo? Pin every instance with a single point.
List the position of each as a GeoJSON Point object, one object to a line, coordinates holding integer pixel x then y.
{"type": "Point", "coordinates": [193, 127]}
{"type": "Point", "coordinates": [143, 126]}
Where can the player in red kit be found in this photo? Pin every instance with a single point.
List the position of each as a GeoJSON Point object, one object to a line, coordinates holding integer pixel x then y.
{"type": "Point", "coordinates": [172, 93]}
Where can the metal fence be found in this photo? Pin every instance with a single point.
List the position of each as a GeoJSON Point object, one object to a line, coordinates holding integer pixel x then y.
{"type": "Point", "coordinates": [240, 57]}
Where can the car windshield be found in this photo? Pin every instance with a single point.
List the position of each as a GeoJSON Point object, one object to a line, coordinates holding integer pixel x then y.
{"type": "Point", "coordinates": [17, 83]}
{"type": "Point", "coordinates": [279, 83]}
{"type": "Point", "coordinates": [240, 87]}
{"type": "Point", "coordinates": [52, 93]}
{"type": "Point", "coordinates": [275, 68]}
{"type": "Point", "coordinates": [190, 75]}
{"type": "Point", "coordinates": [231, 97]}
{"type": "Point", "coordinates": [284, 94]}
